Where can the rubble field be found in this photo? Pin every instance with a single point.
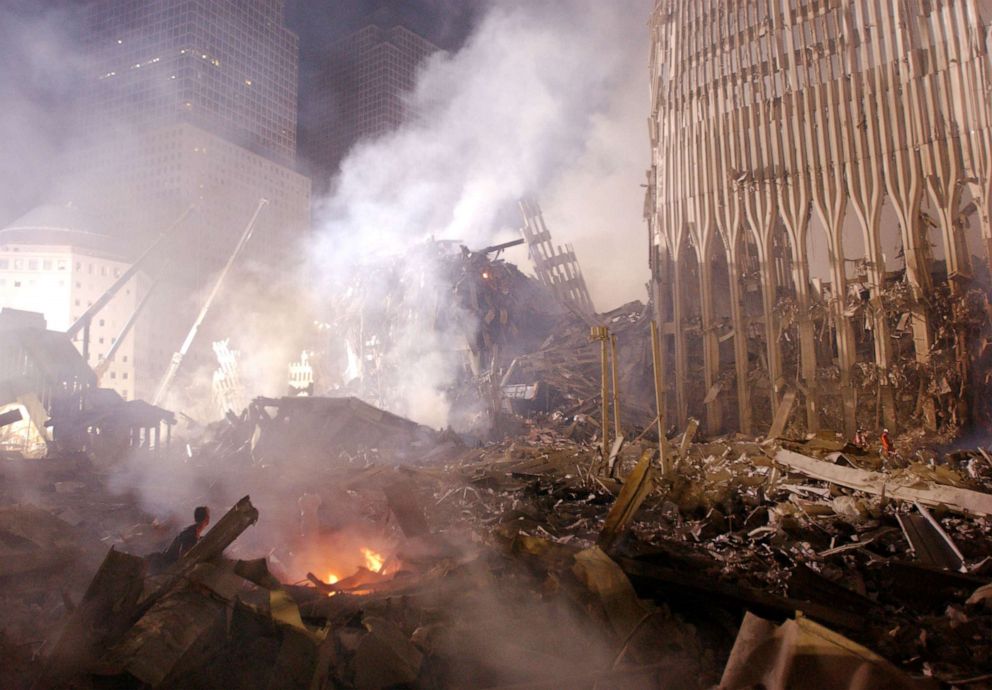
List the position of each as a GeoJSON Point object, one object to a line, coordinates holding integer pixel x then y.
{"type": "Point", "coordinates": [399, 557]}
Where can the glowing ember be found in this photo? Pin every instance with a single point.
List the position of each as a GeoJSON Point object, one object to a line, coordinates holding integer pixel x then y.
{"type": "Point", "coordinates": [373, 561]}
{"type": "Point", "coordinates": [332, 578]}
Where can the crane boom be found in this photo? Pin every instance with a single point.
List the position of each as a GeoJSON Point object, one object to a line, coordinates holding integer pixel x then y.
{"type": "Point", "coordinates": [88, 315]}
{"type": "Point", "coordinates": [177, 358]}
{"type": "Point", "coordinates": [101, 368]}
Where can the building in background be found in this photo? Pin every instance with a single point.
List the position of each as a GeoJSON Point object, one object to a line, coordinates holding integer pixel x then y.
{"type": "Point", "coordinates": [864, 125]}
{"type": "Point", "coordinates": [359, 91]}
{"type": "Point", "coordinates": [193, 104]}
{"type": "Point", "coordinates": [226, 66]}
{"type": "Point", "coordinates": [51, 262]}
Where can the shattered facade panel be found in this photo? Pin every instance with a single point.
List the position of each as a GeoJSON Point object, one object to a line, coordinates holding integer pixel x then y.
{"type": "Point", "coordinates": [777, 124]}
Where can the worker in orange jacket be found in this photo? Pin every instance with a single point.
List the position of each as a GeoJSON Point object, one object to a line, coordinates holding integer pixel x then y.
{"type": "Point", "coordinates": [888, 448]}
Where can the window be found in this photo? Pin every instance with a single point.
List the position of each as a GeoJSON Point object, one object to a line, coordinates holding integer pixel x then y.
{"type": "Point", "coordinates": [125, 358]}
{"type": "Point", "coordinates": [124, 375]}
{"type": "Point", "coordinates": [102, 322]}
{"type": "Point", "coordinates": [62, 264]}
{"type": "Point", "coordinates": [113, 374]}
{"type": "Point", "coordinates": [17, 283]}
{"type": "Point", "coordinates": [101, 341]}
{"type": "Point", "coordinates": [4, 263]}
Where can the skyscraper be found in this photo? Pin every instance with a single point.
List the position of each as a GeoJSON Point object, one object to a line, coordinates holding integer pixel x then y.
{"type": "Point", "coordinates": [191, 104]}
{"type": "Point", "coordinates": [359, 92]}
{"type": "Point", "coordinates": [227, 66]}
{"type": "Point", "coordinates": [863, 124]}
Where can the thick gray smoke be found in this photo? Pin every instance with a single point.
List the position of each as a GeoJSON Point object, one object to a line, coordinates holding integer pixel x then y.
{"type": "Point", "coordinates": [544, 98]}
{"type": "Point", "coordinates": [39, 79]}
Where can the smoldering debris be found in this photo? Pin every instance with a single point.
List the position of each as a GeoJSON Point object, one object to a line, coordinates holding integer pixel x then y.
{"type": "Point", "coordinates": [432, 564]}
{"type": "Point", "coordinates": [520, 548]}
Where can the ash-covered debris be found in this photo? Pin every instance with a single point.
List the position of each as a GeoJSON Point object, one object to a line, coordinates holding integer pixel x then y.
{"type": "Point", "coordinates": [417, 333]}
{"type": "Point", "coordinates": [564, 371]}
{"type": "Point", "coordinates": [431, 564]}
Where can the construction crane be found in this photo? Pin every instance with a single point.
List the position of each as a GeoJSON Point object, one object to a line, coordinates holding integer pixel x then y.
{"type": "Point", "coordinates": [83, 322]}
{"type": "Point", "coordinates": [177, 358]}
{"type": "Point", "coordinates": [101, 368]}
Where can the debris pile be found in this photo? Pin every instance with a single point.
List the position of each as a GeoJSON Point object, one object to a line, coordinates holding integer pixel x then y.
{"type": "Point", "coordinates": [564, 373]}
{"type": "Point", "coordinates": [439, 300]}
{"type": "Point", "coordinates": [525, 564]}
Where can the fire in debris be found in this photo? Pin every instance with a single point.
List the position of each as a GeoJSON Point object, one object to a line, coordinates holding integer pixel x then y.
{"type": "Point", "coordinates": [373, 560]}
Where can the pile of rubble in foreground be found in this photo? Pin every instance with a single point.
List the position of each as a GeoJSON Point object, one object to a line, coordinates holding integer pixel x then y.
{"type": "Point", "coordinates": [527, 565]}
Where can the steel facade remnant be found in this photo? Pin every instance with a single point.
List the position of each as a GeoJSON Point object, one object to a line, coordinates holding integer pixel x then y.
{"type": "Point", "coordinates": [556, 267]}
{"type": "Point", "coordinates": [772, 117]}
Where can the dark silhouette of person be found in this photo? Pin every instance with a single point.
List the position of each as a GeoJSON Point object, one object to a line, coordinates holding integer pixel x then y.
{"type": "Point", "coordinates": [187, 539]}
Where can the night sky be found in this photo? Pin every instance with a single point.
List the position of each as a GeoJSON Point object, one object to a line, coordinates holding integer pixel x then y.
{"type": "Point", "coordinates": [40, 73]}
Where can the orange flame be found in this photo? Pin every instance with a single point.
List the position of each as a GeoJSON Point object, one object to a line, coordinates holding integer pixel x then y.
{"type": "Point", "coordinates": [373, 560]}
{"type": "Point", "coordinates": [332, 578]}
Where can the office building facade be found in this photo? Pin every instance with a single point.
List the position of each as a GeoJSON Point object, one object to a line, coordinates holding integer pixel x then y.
{"type": "Point", "coordinates": [226, 66]}
{"type": "Point", "coordinates": [361, 90]}
{"type": "Point", "coordinates": [862, 124]}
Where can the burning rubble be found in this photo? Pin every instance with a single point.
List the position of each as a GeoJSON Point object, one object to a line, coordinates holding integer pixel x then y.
{"type": "Point", "coordinates": [559, 534]}
{"type": "Point", "coordinates": [516, 564]}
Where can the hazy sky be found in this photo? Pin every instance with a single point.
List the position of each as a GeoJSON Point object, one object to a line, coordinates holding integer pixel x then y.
{"type": "Point", "coordinates": [568, 96]}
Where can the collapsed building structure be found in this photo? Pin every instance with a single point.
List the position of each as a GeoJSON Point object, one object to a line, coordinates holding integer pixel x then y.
{"type": "Point", "coordinates": [864, 125]}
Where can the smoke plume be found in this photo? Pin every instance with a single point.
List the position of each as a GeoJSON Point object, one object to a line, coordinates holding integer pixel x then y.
{"type": "Point", "coordinates": [543, 98]}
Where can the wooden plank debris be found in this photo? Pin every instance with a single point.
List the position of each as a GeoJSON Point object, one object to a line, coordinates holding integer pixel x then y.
{"type": "Point", "coordinates": [801, 653]}
{"type": "Point", "coordinates": [880, 484]}
{"type": "Point", "coordinates": [782, 414]}
{"type": "Point", "coordinates": [690, 433]}
{"type": "Point", "coordinates": [636, 488]}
